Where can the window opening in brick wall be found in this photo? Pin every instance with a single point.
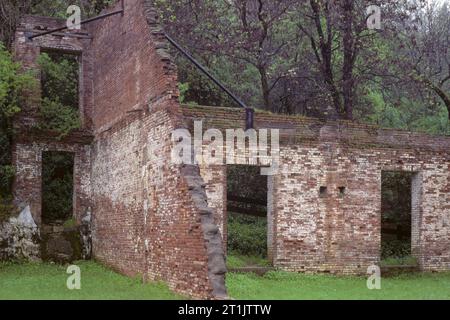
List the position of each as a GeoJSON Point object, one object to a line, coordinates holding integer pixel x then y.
{"type": "Point", "coordinates": [342, 191]}
{"type": "Point", "coordinates": [323, 191]}
{"type": "Point", "coordinates": [60, 77]}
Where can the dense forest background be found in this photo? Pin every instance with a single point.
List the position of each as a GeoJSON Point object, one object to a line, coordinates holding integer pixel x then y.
{"type": "Point", "coordinates": [319, 58]}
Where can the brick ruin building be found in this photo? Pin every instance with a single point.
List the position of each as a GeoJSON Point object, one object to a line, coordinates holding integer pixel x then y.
{"type": "Point", "coordinates": [140, 214]}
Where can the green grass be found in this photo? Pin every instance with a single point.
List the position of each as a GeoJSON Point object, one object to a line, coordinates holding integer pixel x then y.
{"type": "Point", "coordinates": [48, 282]}
{"type": "Point", "coordinates": [235, 260]}
{"type": "Point", "coordinates": [393, 261]}
{"type": "Point", "coordinates": [70, 223]}
{"type": "Point", "coordinates": [292, 286]}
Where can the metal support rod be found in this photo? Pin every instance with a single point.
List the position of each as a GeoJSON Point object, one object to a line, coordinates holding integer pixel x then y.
{"type": "Point", "coordinates": [206, 72]}
{"type": "Point", "coordinates": [249, 118]}
{"type": "Point", "coordinates": [81, 23]}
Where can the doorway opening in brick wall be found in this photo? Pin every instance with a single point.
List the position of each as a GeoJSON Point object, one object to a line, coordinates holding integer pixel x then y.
{"type": "Point", "coordinates": [59, 232]}
{"type": "Point", "coordinates": [400, 194]}
{"type": "Point", "coordinates": [247, 225]}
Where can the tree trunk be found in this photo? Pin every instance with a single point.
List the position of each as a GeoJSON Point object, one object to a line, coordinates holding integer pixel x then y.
{"type": "Point", "coordinates": [441, 93]}
{"type": "Point", "coordinates": [265, 88]}
{"type": "Point", "coordinates": [347, 70]}
{"type": "Point", "coordinates": [325, 58]}
{"type": "Point", "coordinates": [445, 98]}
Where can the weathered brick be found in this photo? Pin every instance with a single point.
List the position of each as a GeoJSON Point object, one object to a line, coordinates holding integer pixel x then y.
{"type": "Point", "coordinates": [167, 222]}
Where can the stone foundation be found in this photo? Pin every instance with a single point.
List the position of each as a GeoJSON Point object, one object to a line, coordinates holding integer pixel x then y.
{"type": "Point", "coordinates": [20, 238]}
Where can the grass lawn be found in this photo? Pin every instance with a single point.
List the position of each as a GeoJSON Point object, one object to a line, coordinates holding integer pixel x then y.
{"type": "Point", "coordinates": [48, 282]}
{"type": "Point", "coordinates": [291, 286]}
{"type": "Point", "coordinates": [235, 260]}
{"type": "Point", "coordinates": [407, 260]}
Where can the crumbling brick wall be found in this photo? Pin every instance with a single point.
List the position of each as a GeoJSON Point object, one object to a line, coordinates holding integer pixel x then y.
{"type": "Point", "coordinates": [150, 216]}
{"type": "Point", "coordinates": [215, 179]}
{"type": "Point", "coordinates": [27, 157]}
{"type": "Point", "coordinates": [165, 221]}
{"type": "Point", "coordinates": [27, 52]}
{"type": "Point", "coordinates": [30, 142]}
{"type": "Point", "coordinates": [340, 230]}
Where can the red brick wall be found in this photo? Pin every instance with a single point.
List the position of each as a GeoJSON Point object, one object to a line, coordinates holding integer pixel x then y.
{"type": "Point", "coordinates": [27, 53]}
{"type": "Point", "coordinates": [341, 233]}
{"type": "Point", "coordinates": [27, 158]}
{"type": "Point", "coordinates": [29, 144]}
{"type": "Point", "coordinates": [215, 178]}
{"type": "Point", "coordinates": [149, 216]}
{"type": "Point", "coordinates": [160, 220]}
{"type": "Point", "coordinates": [129, 72]}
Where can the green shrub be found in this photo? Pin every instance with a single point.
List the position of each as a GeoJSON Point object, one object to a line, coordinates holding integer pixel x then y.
{"type": "Point", "coordinates": [406, 260]}
{"type": "Point", "coordinates": [247, 235]}
{"type": "Point", "coordinates": [14, 84]}
{"type": "Point", "coordinates": [6, 208]}
{"type": "Point", "coordinates": [70, 223]}
{"type": "Point", "coordinates": [57, 186]}
{"type": "Point", "coordinates": [59, 104]}
{"type": "Point", "coordinates": [57, 117]}
{"type": "Point", "coordinates": [60, 77]}
{"type": "Point", "coordinates": [395, 249]}
{"type": "Point", "coordinates": [7, 173]}
{"type": "Point", "coordinates": [183, 88]}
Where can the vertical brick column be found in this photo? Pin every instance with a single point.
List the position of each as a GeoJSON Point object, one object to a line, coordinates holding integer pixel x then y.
{"type": "Point", "coordinates": [271, 217]}
{"type": "Point", "coordinates": [416, 216]}
{"type": "Point", "coordinates": [216, 190]}
{"type": "Point", "coordinates": [27, 159]}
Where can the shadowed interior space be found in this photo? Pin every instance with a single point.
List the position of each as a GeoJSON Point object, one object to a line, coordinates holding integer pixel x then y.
{"type": "Point", "coordinates": [247, 222]}
{"type": "Point", "coordinates": [396, 222]}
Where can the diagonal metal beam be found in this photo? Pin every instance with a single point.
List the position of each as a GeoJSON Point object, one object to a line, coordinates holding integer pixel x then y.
{"type": "Point", "coordinates": [121, 11]}
{"type": "Point", "coordinates": [249, 112]}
